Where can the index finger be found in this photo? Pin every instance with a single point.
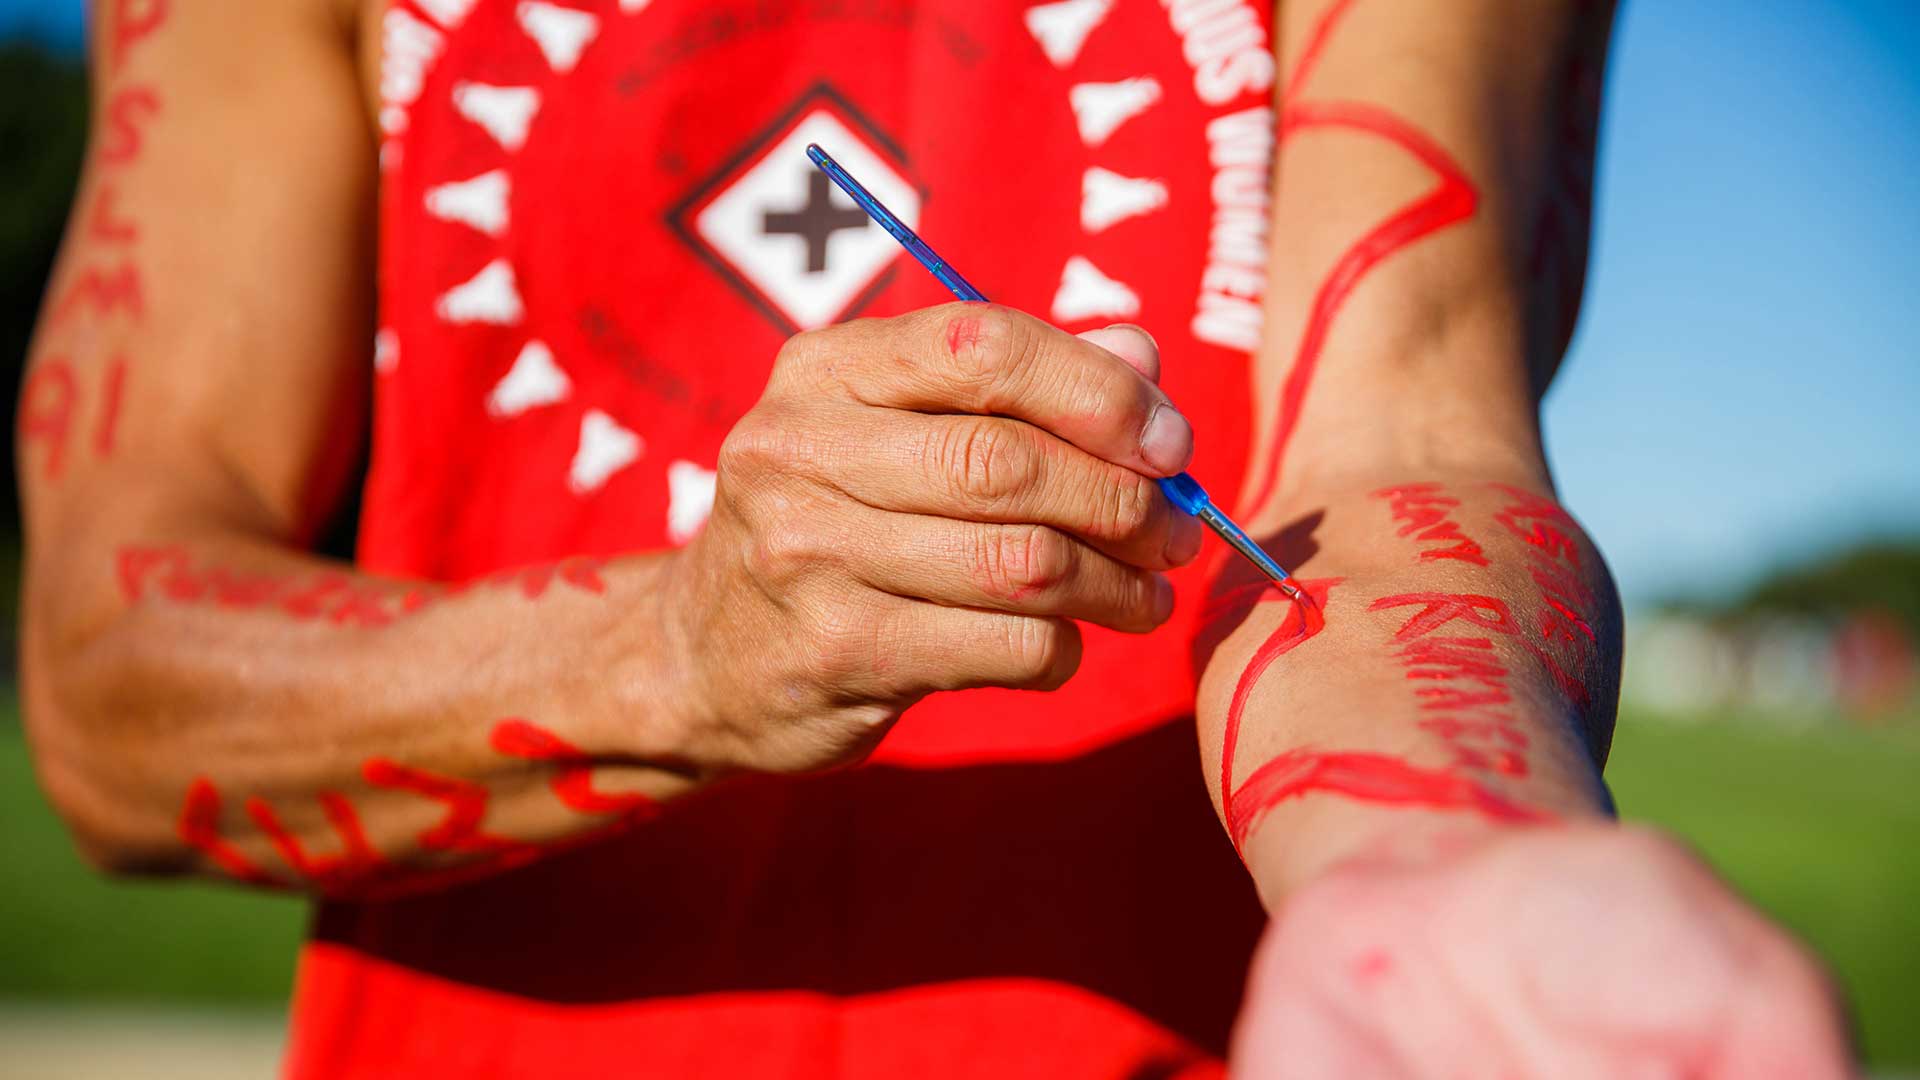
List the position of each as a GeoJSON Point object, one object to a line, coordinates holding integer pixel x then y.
{"type": "Point", "coordinates": [992, 360]}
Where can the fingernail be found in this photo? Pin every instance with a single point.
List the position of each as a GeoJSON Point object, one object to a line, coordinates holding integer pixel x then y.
{"type": "Point", "coordinates": [1167, 441]}
{"type": "Point", "coordinates": [1138, 329]}
{"type": "Point", "coordinates": [1162, 598]}
{"type": "Point", "coordinates": [1183, 539]}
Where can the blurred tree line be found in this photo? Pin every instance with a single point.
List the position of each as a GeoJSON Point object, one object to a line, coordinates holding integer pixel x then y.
{"type": "Point", "coordinates": [1882, 577]}
{"type": "Point", "coordinates": [43, 131]}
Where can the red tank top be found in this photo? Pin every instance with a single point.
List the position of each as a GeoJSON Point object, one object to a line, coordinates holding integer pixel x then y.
{"type": "Point", "coordinates": [598, 226]}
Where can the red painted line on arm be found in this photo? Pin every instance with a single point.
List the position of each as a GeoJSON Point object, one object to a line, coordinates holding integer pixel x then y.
{"type": "Point", "coordinates": [1452, 200]}
{"type": "Point", "coordinates": [199, 828]}
{"type": "Point", "coordinates": [1316, 44]}
{"type": "Point", "coordinates": [466, 802]}
{"type": "Point", "coordinates": [1301, 622]}
{"type": "Point", "coordinates": [1367, 777]}
{"type": "Point", "coordinates": [573, 784]}
{"type": "Point", "coordinates": [357, 859]}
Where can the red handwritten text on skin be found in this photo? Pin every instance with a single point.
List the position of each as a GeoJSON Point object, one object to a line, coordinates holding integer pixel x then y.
{"type": "Point", "coordinates": [1439, 609]}
{"type": "Point", "coordinates": [357, 868]}
{"type": "Point", "coordinates": [1452, 200]}
{"type": "Point", "coordinates": [1422, 512]}
{"type": "Point", "coordinates": [134, 21]}
{"type": "Point", "coordinates": [357, 859]}
{"type": "Point", "coordinates": [104, 292]}
{"type": "Point", "coordinates": [169, 572]}
{"type": "Point", "coordinates": [1554, 563]}
{"type": "Point", "coordinates": [1469, 719]}
{"type": "Point", "coordinates": [573, 783]}
{"type": "Point", "coordinates": [127, 113]}
{"type": "Point", "coordinates": [107, 227]}
{"type": "Point", "coordinates": [199, 829]}
{"type": "Point", "coordinates": [46, 412]}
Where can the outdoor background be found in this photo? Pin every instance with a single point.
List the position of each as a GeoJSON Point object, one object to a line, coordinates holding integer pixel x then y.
{"type": "Point", "coordinates": [1736, 426]}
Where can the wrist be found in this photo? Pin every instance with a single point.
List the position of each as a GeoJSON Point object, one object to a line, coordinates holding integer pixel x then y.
{"type": "Point", "coordinates": [1327, 840]}
{"type": "Point", "coordinates": [639, 701]}
{"type": "Point", "coordinates": [1420, 386]}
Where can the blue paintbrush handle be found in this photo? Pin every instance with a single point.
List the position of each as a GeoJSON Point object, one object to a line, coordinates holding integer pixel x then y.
{"type": "Point", "coordinates": [1183, 491]}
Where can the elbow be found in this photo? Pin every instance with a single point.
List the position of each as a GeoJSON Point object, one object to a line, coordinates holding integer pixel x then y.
{"type": "Point", "coordinates": [88, 758]}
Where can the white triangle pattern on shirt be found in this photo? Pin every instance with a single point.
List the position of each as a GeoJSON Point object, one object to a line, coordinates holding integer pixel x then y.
{"type": "Point", "coordinates": [561, 32]}
{"type": "Point", "coordinates": [605, 448]}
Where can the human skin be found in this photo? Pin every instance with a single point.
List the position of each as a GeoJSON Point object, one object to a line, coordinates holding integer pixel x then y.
{"type": "Point", "coordinates": [205, 697]}
{"type": "Point", "coordinates": [1414, 778]}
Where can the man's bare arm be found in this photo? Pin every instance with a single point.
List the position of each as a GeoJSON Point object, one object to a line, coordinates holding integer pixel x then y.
{"type": "Point", "coordinates": [915, 504]}
{"type": "Point", "coordinates": [1467, 642]}
{"type": "Point", "coordinates": [1410, 765]}
{"type": "Point", "coordinates": [201, 693]}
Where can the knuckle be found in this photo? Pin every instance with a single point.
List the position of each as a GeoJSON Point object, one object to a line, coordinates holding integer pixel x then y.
{"type": "Point", "coordinates": [1045, 651]}
{"type": "Point", "coordinates": [767, 441]}
{"type": "Point", "coordinates": [984, 460]}
{"type": "Point", "coordinates": [786, 552]}
{"type": "Point", "coordinates": [1128, 508]}
{"type": "Point", "coordinates": [984, 341]}
{"type": "Point", "coordinates": [840, 642]}
{"type": "Point", "coordinates": [1017, 562]}
{"type": "Point", "coordinates": [800, 349]}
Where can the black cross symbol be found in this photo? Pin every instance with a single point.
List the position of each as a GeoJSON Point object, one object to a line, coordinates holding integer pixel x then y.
{"type": "Point", "coordinates": [816, 221]}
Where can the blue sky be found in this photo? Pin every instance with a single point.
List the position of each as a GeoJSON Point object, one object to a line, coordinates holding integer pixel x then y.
{"type": "Point", "coordinates": [1745, 387]}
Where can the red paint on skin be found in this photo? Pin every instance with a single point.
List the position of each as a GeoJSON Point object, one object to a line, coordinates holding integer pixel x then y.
{"type": "Point", "coordinates": [199, 829]}
{"type": "Point", "coordinates": [1451, 727]}
{"type": "Point", "coordinates": [1301, 622]}
{"type": "Point", "coordinates": [1447, 698]}
{"type": "Point", "coordinates": [1317, 39]}
{"type": "Point", "coordinates": [1367, 777]}
{"type": "Point", "coordinates": [47, 406]}
{"type": "Point", "coordinates": [1575, 689]}
{"type": "Point", "coordinates": [310, 601]}
{"type": "Point", "coordinates": [135, 563]}
{"type": "Point", "coordinates": [112, 390]}
{"type": "Point", "coordinates": [361, 607]}
{"type": "Point", "coordinates": [1504, 762]}
{"type": "Point", "coordinates": [1453, 658]}
{"type": "Point", "coordinates": [1371, 966]}
{"type": "Point", "coordinates": [962, 333]}
{"type": "Point", "coordinates": [1443, 608]}
{"type": "Point", "coordinates": [105, 292]}
{"type": "Point", "coordinates": [127, 111]}
{"type": "Point", "coordinates": [466, 802]}
{"type": "Point", "coordinates": [357, 859]}
{"type": "Point", "coordinates": [135, 20]}
{"type": "Point", "coordinates": [332, 596]}
{"type": "Point", "coordinates": [105, 226]}
{"type": "Point", "coordinates": [573, 784]}
{"type": "Point", "coordinates": [1452, 200]}
{"type": "Point", "coordinates": [242, 591]}
{"type": "Point", "coordinates": [1422, 511]}
{"type": "Point", "coordinates": [535, 580]}
{"type": "Point", "coordinates": [584, 573]}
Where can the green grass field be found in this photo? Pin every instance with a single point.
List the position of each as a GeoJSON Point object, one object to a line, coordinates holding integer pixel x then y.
{"type": "Point", "coordinates": [1822, 828]}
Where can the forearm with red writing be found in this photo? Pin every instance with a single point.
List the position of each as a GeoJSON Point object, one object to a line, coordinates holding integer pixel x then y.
{"type": "Point", "coordinates": [1457, 671]}
{"type": "Point", "coordinates": [231, 707]}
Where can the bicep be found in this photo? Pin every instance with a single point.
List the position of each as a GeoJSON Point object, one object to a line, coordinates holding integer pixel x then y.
{"type": "Point", "coordinates": [202, 351]}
